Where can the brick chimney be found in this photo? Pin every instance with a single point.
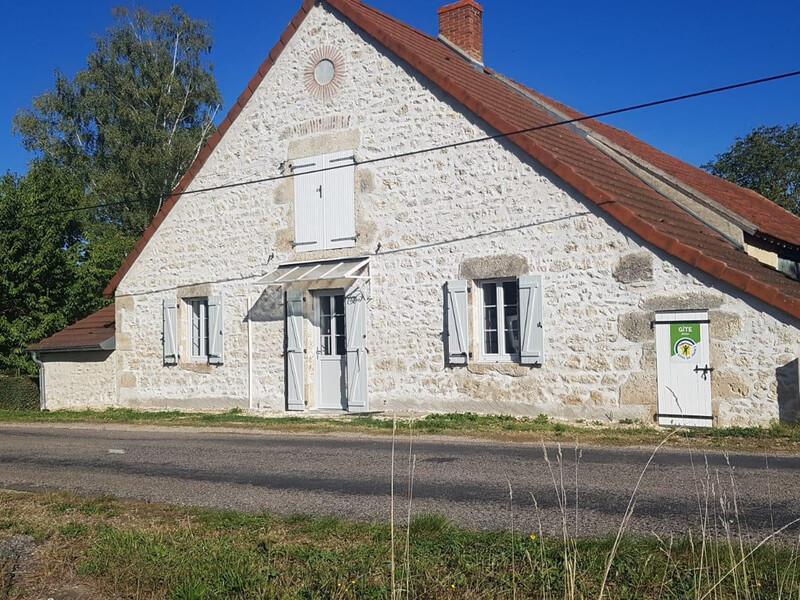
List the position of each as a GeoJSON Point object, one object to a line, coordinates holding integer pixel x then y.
{"type": "Point", "coordinates": [461, 24]}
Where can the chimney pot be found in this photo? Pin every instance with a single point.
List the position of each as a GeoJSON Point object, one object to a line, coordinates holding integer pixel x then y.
{"type": "Point", "coordinates": [461, 24]}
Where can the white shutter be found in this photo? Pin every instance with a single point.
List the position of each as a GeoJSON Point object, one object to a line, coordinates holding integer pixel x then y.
{"type": "Point", "coordinates": [531, 327]}
{"type": "Point", "coordinates": [355, 316]}
{"type": "Point", "coordinates": [215, 330]}
{"type": "Point", "coordinates": [338, 194]}
{"type": "Point", "coordinates": [295, 380]}
{"type": "Point", "coordinates": [308, 204]}
{"type": "Point", "coordinates": [169, 332]}
{"type": "Point", "coordinates": [457, 342]}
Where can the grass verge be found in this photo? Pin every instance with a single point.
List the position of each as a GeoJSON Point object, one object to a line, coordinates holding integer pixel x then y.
{"type": "Point", "coordinates": [106, 547]}
{"type": "Point", "coordinates": [778, 437]}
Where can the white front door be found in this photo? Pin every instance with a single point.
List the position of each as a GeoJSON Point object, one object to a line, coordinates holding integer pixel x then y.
{"type": "Point", "coordinates": [331, 351]}
{"type": "Point", "coordinates": [684, 369]}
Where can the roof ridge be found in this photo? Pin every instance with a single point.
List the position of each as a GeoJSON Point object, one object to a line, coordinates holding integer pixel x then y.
{"type": "Point", "coordinates": [444, 42]}
{"type": "Point", "coordinates": [389, 17]}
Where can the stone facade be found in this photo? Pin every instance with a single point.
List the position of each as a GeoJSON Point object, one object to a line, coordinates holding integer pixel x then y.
{"type": "Point", "coordinates": [76, 380]}
{"type": "Point", "coordinates": [475, 211]}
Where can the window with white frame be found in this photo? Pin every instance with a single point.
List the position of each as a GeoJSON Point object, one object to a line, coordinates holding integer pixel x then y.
{"type": "Point", "coordinates": [197, 327]}
{"type": "Point", "coordinates": [324, 202]}
{"type": "Point", "coordinates": [499, 320]}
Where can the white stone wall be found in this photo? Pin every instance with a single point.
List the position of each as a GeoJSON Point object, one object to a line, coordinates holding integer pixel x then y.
{"type": "Point", "coordinates": [79, 380]}
{"type": "Point", "coordinates": [429, 213]}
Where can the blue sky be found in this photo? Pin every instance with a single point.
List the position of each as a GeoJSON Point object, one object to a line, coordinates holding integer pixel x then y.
{"type": "Point", "coordinates": [593, 56]}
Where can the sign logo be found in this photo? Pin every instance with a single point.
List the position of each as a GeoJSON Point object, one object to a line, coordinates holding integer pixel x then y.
{"type": "Point", "coordinates": [685, 349]}
{"type": "Point", "coordinates": [684, 341]}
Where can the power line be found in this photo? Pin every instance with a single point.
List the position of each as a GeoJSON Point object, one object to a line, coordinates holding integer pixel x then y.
{"type": "Point", "coordinates": [410, 153]}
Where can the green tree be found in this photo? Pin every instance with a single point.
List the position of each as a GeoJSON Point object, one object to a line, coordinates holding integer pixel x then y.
{"type": "Point", "coordinates": [766, 160]}
{"type": "Point", "coordinates": [122, 132]}
{"type": "Point", "coordinates": [130, 124]}
{"type": "Point", "coordinates": [39, 261]}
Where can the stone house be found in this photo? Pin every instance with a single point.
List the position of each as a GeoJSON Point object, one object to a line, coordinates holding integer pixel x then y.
{"type": "Point", "coordinates": [381, 265]}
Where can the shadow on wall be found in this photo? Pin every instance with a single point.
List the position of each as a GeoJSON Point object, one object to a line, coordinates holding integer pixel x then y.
{"type": "Point", "coordinates": [268, 307]}
{"type": "Point", "coordinates": [84, 356]}
{"type": "Point", "coordinates": [788, 377]}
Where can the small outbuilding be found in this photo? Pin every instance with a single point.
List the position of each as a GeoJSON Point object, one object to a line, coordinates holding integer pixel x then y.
{"type": "Point", "coordinates": [77, 365]}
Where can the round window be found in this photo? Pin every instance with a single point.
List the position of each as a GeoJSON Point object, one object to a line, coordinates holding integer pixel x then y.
{"type": "Point", "coordinates": [324, 71]}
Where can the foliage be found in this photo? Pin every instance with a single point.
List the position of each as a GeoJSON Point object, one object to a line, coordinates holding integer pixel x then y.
{"type": "Point", "coordinates": [766, 160]}
{"type": "Point", "coordinates": [19, 393]}
{"type": "Point", "coordinates": [130, 123]}
{"type": "Point", "coordinates": [40, 291]}
{"type": "Point", "coordinates": [121, 132]}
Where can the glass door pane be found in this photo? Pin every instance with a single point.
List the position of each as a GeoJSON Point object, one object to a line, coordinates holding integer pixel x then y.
{"type": "Point", "coordinates": [339, 325]}
{"type": "Point", "coordinates": [325, 325]}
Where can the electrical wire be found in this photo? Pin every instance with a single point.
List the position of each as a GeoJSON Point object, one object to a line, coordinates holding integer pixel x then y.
{"type": "Point", "coordinates": [410, 153]}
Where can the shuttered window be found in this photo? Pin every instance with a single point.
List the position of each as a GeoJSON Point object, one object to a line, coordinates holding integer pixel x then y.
{"type": "Point", "coordinates": [510, 320]}
{"type": "Point", "coordinates": [500, 339]}
{"type": "Point", "coordinates": [324, 202]}
{"type": "Point", "coordinates": [198, 328]}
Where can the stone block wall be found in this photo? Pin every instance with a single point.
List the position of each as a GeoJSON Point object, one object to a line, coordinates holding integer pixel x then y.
{"type": "Point", "coordinates": [79, 380]}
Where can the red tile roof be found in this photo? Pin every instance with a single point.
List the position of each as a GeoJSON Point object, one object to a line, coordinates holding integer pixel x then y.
{"type": "Point", "coordinates": [769, 218]}
{"type": "Point", "coordinates": [569, 156]}
{"type": "Point", "coordinates": [87, 334]}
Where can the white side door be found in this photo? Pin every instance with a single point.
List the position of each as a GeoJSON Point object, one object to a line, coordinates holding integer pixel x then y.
{"type": "Point", "coordinates": [331, 355]}
{"type": "Point", "coordinates": [684, 369]}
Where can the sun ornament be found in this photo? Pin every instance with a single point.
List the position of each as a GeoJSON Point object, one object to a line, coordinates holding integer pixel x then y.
{"type": "Point", "coordinates": [324, 73]}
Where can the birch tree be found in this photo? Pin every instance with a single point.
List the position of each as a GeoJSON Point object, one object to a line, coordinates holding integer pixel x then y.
{"type": "Point", "coordinates": [130, 123]}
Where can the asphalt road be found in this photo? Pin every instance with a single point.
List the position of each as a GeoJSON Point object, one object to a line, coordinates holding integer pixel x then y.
{"type": "Point", "coordinates": [349, 476]}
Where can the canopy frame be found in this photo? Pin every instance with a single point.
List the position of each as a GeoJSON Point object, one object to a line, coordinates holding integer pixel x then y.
{"type": "Point", "coordinates": [327, 270]}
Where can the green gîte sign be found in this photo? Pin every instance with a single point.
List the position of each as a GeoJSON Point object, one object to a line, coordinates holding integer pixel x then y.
{"type": "Point", "coordinates": [684, 341]}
